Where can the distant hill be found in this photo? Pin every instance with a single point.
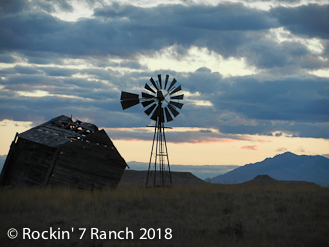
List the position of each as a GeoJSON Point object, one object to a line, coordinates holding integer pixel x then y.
{"type": "Point", "coordinates": [287, 166]}
{"type": "Point", "coordinates": [262, 180]}
{"type": "Point", "coordinates": [131, 177]}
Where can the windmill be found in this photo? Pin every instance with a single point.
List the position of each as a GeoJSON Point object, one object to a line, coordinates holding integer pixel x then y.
{"type": "Point", "coordinates": [162, 104]}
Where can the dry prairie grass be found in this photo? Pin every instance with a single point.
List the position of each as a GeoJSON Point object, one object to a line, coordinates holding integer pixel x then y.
{"type": "Point", "coordinates": [206, 215]}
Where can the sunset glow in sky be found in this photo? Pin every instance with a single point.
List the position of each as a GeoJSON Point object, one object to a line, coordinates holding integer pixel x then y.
{"type": "Point", "coordinates": [255, 74]}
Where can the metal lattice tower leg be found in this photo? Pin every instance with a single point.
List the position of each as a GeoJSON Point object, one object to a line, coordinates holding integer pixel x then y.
{"type": "Point", "coordinates": [158, 173]}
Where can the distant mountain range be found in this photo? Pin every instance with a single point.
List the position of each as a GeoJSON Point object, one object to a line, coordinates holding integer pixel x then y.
{"type": "Point", "coordinates": [201, 171]}
{"type": "Point", "coordinates": [286, 166]}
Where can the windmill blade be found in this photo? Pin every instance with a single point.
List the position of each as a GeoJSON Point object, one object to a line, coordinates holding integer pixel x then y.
{"type": "Point", "coordinates": [154, 84]}
{"type": "Point", "coordinates": [172, 84]}
{"type": "Point", "coordinates": [129, 99]}
{"type": "Point", "coordinates": [155, 114]}
{"type": "Point", "coordinates": [158, 113]}
{"type": "Point", "coordinates": [149, 110]}
{"type": "Point", "coordinates": [177, 97]}
{"type": "Point", "coordinates": [149, 88]}
{"type": "Point", "coordinates": [148, 96]}
{"type": "Point", "coordinates": [159, 78]}
{"type": "Point", "coordinates": [167, 78]}
{"type": "Point", "coordinates": [173, 110]}
{"type": "Point", "coordinates": [178, 105]}
{"type": "Point", "coordinates": [168, 116]}
{"type": "Point", "coordinates": [146, 103]}
{"type": "Point", "coordinates": [128, 104]}
{"type": "Point", "coordinates": [128, 96]}
{"type": "Point", "coordinates": [176, 90]}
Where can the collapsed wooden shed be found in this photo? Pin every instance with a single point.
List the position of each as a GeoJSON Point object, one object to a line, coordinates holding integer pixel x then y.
{"type": "Point", "coordinates": [63, 152]}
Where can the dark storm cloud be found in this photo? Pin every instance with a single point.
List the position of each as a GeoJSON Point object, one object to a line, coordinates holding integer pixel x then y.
{"type": "Point", "coordinates": [18, 69]}
{"type": "Point", "coordinates": [286, 99]}
{"type": "Point", "coordinates": [32, 32]}
{"type": "Point", "coordinates": [16, 6]}
{"type": "Point", "coordinates": [236, 101]}
{"type": "Point", "coordinates": [221, 17]}
{"type": "Point", "coordinates": [311, 20]}
{"type": "Point", "coordinates": [229, 29]}
{"type": "Point", "coordinates": [95, 99]}
{"type": "Point", "coordinates": [275, 1]}
{"type": "Point", "coordinates": [243, 105]}
{"type": "Point", "coordinates": [6, 58]}
{"type": "Point", "coordinates": [267, 54]}
{"type": "Point", "coordinates": [219, 28]}
{"type": "Point", "coordinates": [12, 6]}
{"type": "Point", "coordinates": [289, 104]}
{"type": "Point", "coordinates": [125, 30]}
{"type": "Point", "coordinates": [29, 108]}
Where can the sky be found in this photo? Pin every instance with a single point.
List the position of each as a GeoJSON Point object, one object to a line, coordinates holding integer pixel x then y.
{"type": "Point", "coordinates": [254, 74]}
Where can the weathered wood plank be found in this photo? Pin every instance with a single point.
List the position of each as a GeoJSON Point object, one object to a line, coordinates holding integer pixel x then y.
{"type": "Point", "coordinates": [29, 158]}
{"type": "Point", "coordinates": [78, 178]}
{"type": "Point", "coordinates": [51, 167]}
{"type": "Point", "coordinates": [90, 158]}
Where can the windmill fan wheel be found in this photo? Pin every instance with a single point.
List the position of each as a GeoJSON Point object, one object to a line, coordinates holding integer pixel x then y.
{"type": "Point", "coordinates": [161, 100]}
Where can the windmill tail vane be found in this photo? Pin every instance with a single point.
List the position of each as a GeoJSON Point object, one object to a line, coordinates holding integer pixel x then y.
{"type": "Point", "coordinates": [161, 103]}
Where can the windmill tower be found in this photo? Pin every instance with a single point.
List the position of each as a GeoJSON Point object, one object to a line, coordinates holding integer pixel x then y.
{"type": "Point", "coordinates": [162, 104]}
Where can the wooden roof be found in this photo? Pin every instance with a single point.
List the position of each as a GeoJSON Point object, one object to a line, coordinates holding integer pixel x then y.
{"type": "Point", "coordinates": [58, 131]}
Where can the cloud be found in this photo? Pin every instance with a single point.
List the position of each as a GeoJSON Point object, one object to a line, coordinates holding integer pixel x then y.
{"type": "Point", "coordinates": [278, 134]}
{"type": "Point", "coordinates": [239, 105]}
{"type": "Point", "coordinates": [296, 99]}
{"type": "Point", "coordinates": [203, 17]}
{"type": "Point", "coordinates": [253, 147]}
{"type": "Point", "coordinates": [51, 67]}
{"type": "Point", "coordinates": [232, 30]}
{"type": "Point", "coordinates": [176, 135]}
{"type": "Point", "coordinates": [326, 155]}
{"type": "Point", "coordinates": [12, 6]}
{"type": "Point", "coordinates": [301, 149]}
{"type": "Point", "coordinates": [294, 19]}
{"type": "Point", "coordinates": [281, 150]}
{"type": "Point", "coordinates": [125, 29]}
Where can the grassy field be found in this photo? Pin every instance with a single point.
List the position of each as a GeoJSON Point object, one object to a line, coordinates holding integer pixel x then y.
{"type": "Point", "coordinates": [206, 215]}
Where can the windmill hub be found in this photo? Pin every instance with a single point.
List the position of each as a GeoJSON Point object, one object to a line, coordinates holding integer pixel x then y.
{"type": "Point", "coordinates": [163, 107]}
{"type": "Point", "coordinates": [160, 96]}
